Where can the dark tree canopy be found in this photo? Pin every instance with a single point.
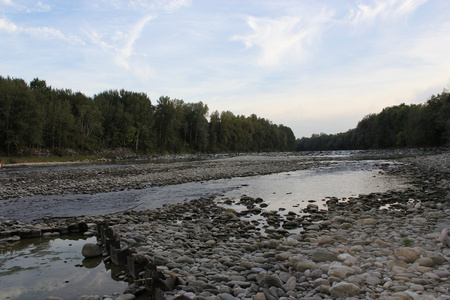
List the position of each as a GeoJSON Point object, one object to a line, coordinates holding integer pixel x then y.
{"type": "Point", "coordinates": [38, 116]}
{"type": "Point", "coordinates": [415, 125]}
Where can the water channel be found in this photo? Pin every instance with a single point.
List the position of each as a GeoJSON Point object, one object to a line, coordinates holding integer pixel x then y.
{"type": "Point", "coordinates": [34, 269]}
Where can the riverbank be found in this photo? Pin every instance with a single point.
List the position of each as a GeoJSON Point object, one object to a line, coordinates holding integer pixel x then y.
{"type": "Point", "coordinates": [375, 246]}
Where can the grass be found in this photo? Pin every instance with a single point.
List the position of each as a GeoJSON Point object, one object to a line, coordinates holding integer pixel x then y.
{"type": "Point", "coordinates": [407, 242]}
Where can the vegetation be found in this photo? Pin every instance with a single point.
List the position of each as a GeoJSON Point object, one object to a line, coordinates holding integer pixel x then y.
{"type": "Point", "coordinates": [401, 126]}
{"type": "Point", "coordinates": [37, 116]}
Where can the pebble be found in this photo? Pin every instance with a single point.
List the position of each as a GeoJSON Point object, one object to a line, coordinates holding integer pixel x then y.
{"type": "Point", "coordinates": [352, 250]}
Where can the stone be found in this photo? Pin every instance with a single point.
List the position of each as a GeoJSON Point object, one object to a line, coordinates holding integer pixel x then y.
{"type": "Point", "coordinates": [269, 280]}
{"type": "Point", "coordinates": [372, 280]}
{"type": "Point", "coordinates": [185, 260]}
{"type": "Point", "coordinates": [344, 289]}
{"type": "Point", "coordinates": [291, 284]}
{"type": "Point", "coordinates": [396, 263]}
{"type": "Point", "coordinates": [302, 264]}
{"type": "Point", "coordinates": [425, 261]}
{"type": "Point", "coordinates": [259, 296]}
{"type": "Point", "coordinates": [322, 256]}
{"type": "Point", "coordinates": [325, 240]}
{"type": "Point", "coordinates": [225, 296]}
{"type": "Point", "coordinates": [338, 270]}
{"type": "Point", "coordinates": [406, 254]}
{"type": "Point", "coordinates": [126, 297]}
{"type": "Point", "coordinates": [91, 250]}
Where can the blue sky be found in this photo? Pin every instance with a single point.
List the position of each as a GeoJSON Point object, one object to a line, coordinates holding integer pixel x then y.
{"type": "Point", "coordinates": [315, 66]}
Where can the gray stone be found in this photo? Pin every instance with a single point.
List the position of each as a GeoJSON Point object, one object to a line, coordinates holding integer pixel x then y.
{"type": "Point", "coordinates": [344, 289]}
{"type": "Point", "coordinates": [91, 250]}
{"type": "Point", "coordinates": [291, 284]}
{"type": "Point", "coordinates": [225, 296]}
{"type": "Point", "coordinates": [372, 280]}
{"type": "Point", "coordinates": [126, 297]}
{"type": "Point", "coordinates": [269, 280]}
{"type": "Point", "coordinates": [321, 256]}
{"type": "Point", "coordinates": [406, 254]}
{"type": "Point", "coordinates": [185, 260]}
{"type": "Point", "coordinates": [338, 270]}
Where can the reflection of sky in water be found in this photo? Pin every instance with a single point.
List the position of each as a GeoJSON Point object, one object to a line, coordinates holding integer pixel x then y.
{"type": "Point", "coordinates": [294, 189]}
{"type": "Point", "coordinates": [38, 268]}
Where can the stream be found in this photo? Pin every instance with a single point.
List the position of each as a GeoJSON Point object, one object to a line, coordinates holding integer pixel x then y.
{"type": "Point", "coordinates": [37, 268]}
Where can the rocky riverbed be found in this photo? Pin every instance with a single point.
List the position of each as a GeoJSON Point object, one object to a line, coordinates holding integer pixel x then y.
{"type": "Point", "coordinates": [376, 246]}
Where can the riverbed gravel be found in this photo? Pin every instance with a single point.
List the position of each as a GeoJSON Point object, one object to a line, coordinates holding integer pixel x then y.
{"type": "Point", "coordinates": [391, 245]}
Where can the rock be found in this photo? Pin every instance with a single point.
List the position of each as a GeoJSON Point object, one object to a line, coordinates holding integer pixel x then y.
{"type": "Point", "coordinates": [259, 296]}
{"type": "Point", "coordinates": [372, 280]}
{"type": "Point", "coordinates": [291, 284]}
{"type": "Point", "coordinates": [406, 254]}
{"type": "Point", "coordinates": [322, 256]}
{"type": "Point", "coordinates": [344, 289]}
{"type": "Point", "coordinates": [325, 240]}
{"type": "Point", "coordinates": [126, 297]}
{"type": "Point", "coordinates": [269, 281]}
{"type": "Point", "coordinates": [338, 270]}
{"type": "Point", "coordinates": [13, 238]}
{"type": "Point", "coordinates": [397, 263]}
{"type": "Point", "coordinates": [225, 296]}
{"type": "Point", "coordinates": [89, 297]}
{"type": "Point", "coordinates": [425, 261]}
{"type": "Point", "coordinates": [304, 264]}
{"type": "Point", "coordinates": [91, 250]}
{"type": "Point", "coordinates": [185, 260]}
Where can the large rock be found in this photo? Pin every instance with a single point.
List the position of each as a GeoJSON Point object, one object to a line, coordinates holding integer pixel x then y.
{"type": "Point", "coordinates": [344, 289]}
{"type": "Point", "coordinates": [406, 254]}
{"type": "Point", "coordinates": [91, 250]}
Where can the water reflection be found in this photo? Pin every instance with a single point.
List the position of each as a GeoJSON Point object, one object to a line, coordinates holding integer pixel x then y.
{"type": "Point", "coordinates": [41, 267]}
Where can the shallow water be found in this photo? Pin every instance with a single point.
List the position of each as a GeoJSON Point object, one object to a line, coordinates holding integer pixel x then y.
{"type": "Point", "coordinates": [36, 268]}
{"type": "Point", "coordinates": [41, 267]}
{"type": "Point", "coordinates": [340, 179]}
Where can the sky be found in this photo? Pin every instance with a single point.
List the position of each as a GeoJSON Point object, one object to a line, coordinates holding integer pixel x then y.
{"type": "Point", "coordinates": [314, 66]}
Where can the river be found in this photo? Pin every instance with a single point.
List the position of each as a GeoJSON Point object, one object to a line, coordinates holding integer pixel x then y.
{"type": "Point", "coordinates": [31, 269]}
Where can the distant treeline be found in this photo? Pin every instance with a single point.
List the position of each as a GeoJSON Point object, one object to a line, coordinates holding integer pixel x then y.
{"type": "Point", "coordinates": [38, 116]}
{"type": "Point", "coordinates": [401, 126]}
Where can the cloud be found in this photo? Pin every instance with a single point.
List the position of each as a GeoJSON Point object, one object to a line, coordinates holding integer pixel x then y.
{"type": "Point", "coordinates": [121, 45]}
{"type": "Point", "coordinates": [284, 39]}
{"type": "Point", "coordinates": [124, 53]}
{"type": "Point", "coordinates": [387, 10]}
{"type": "Point", "coordinates": [167, 5]}
{"type": "Point", "coordinates": [38, 32]}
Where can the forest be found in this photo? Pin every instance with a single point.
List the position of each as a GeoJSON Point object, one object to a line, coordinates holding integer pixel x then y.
{"type": "Point", "coordinates": [400, 126]}
{"type": "Point", "coordinates": [35, 116]}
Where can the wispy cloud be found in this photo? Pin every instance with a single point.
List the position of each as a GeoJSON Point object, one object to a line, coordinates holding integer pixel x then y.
{"type": "Point", "coordinates": [168, 5]}
{"type": "Point", "coordinates": [369, 12]}
{"type": "Point", "coordinates": [284, 39]}
{"type": "Point", "coordinates": [38, 32]}
{"type": "Point", "coordinates": [124, 52]}
{"type": "Point", "coordinates": [121, 45]}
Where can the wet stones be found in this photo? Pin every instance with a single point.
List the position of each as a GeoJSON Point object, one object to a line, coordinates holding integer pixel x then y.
{"type": "Point", "coordinates": [91, 250]}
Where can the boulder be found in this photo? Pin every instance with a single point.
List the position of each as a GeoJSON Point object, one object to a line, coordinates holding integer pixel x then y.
{"type": "Point", "coordinates": [91, 250]}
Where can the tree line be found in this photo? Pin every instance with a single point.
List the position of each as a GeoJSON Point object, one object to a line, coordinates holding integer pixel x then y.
{"type": "Point", "coordinates": [39, 116]}
{"type": "Point", "coordinates": [400, 126]}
